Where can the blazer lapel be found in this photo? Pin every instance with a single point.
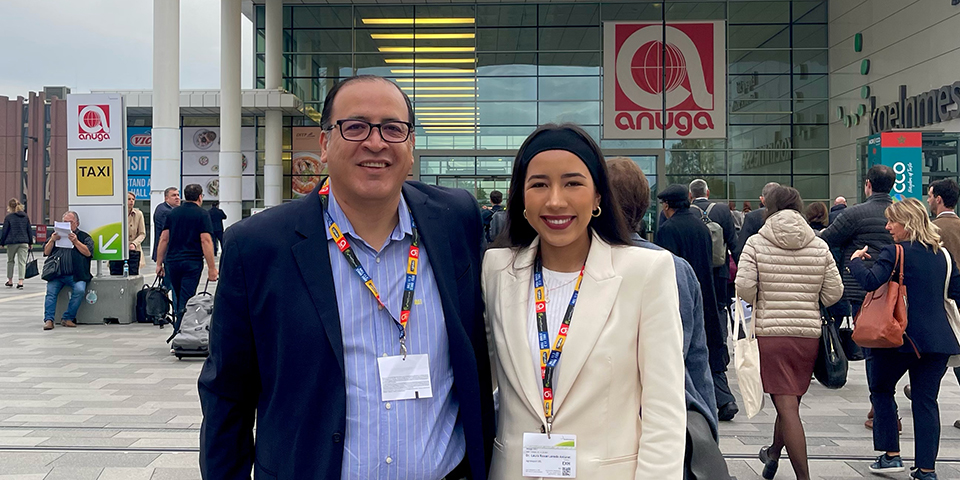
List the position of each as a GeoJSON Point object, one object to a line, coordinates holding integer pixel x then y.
{"type": "Point", "coordinates": [598, 292]}
{"type": "Point", "coordinates": [514, 298]}
{"type": "Point", "coordinates": [427, 215]}
{"type": "Point", "coordinates": [313, 261]}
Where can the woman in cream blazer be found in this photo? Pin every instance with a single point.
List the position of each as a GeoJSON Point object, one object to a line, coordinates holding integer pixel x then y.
{"type": "Point", "coordinates": [619, 386]}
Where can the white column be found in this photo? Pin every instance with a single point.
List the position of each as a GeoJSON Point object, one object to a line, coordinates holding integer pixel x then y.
{"type": "Point", "coordinates": [230, 157]}
{"type": "Point", "coordinates": [273, 143]}
{"type": "Point", "coordinates": [165, 168]}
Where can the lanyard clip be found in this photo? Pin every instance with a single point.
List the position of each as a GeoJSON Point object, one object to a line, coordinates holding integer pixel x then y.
{"type": "Point", "coordinates": [403, 348]}
{"type": "Point", "coordinates": [549, 426]}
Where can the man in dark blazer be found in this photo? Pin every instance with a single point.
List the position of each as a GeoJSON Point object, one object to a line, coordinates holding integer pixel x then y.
{"type": "Point", "coordinates": [753, 221]}
{"type": "Point", "coordinates": [686, 236]}
{"type": "Point", "coordinates": [285, 343]}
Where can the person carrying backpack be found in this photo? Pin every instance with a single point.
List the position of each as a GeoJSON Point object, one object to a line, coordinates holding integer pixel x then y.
{"type": "Point", "coordinates": [496, 198]}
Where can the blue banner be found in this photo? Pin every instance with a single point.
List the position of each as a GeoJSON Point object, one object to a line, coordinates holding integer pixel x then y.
{"type": "Point", "coordinates": [903, 152]}
{"type": "Point", "coordinates": [139, 186]}
{"type": "Point", "coordinates": [139, 143]}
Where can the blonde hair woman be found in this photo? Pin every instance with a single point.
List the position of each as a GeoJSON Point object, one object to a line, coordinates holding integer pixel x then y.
{"type": "Point", "coordinates": [17, 237]}
{"type": "Point", "coordinates": [929, 339]}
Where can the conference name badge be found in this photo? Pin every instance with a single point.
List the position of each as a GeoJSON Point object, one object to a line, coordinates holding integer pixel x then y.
{"type": "Point", "coordinates": [553, 456]}
{"type": "Point", "coordinates": [405, 378]}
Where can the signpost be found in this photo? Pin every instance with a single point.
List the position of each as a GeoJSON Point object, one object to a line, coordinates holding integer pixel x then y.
{"type": "Point", "coordinates": [97, 171]}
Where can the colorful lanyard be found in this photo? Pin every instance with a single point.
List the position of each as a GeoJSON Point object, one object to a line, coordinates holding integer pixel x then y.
{"type": "Point", "coordinates": [354, 262]}
{"type": "Point", "coordinates": [549, 358]}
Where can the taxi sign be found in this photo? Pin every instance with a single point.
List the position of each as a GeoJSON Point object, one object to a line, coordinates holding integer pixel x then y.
{"type": "Point", "coordinates": [95, 177]}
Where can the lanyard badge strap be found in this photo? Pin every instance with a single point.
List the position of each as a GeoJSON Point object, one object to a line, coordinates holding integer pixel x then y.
{"type": "Point", "coordinates": [550, 357]}
{"type": "Point", "coordinates": [413, 264]}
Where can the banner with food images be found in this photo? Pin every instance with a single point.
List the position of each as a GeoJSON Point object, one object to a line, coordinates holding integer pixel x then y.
{"type": "Point", "coordinates": [306, 169]}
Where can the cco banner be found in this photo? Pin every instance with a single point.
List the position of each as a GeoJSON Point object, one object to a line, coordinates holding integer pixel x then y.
{"type": "Point", "coordinates": [664, 80]}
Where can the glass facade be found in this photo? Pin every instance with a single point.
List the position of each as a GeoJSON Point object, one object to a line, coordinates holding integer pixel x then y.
{"type": "Point", "coordinates": [483, 76]}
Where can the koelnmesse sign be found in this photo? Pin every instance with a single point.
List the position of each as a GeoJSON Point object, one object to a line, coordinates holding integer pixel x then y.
{"type": "Point", "coordinates": [926, 108]}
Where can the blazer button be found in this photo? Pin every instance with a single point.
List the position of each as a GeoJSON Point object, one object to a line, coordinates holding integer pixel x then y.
{"type": "Point", "coordinates": [337, 437]}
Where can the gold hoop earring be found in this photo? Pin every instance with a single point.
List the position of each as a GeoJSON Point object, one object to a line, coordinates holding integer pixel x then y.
{"type": "Point", "coordinates": [597, 212]}
{"type": "Point", "coordinates": [524, 213]}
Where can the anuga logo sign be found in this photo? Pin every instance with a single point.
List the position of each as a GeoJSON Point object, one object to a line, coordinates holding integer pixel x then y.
{"type": "Point", "coordinates": [664, 79]}
{"type": "Point", "coordinates": [94, 122]}
{"type": "Point", "coordinates": [926, 108]}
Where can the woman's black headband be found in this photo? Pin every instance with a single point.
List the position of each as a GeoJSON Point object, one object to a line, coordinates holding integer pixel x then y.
{"type": "Point", "coordinates": [563, 139]}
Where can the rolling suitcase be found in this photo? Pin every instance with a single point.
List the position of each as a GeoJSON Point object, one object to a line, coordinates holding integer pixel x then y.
{"type": "Point", "coordinates": [191, 336]}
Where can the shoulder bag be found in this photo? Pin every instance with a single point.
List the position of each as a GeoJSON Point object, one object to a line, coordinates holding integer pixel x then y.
{"type": "Point", "coordinates": [831, 367]}
{"type": "Point", "coordinates": [52, 266]}
{"type": "Point", "coordinates": [953, 315]}
{"type": "Point", "coordinates": [882, 320]}
{"type": "Point", "coordinates": [31, 270]}
{"type": "Point", "coordinates": [746, 354]}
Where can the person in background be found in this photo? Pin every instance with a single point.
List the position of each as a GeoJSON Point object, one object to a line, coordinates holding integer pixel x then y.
{"type": "Point", "coordinates": [73, 272]}
{"type": "Point", "coordinates": [816, 215]}
{"type": "Point", "coordinates": [136, 232]}
{"type": "Point", "coordinates": [942, 198]}
{"type": "Point", "coordinates": [184, 244]}
{"type": "Point", "coordinates": [839, 204]}
{"type": "Point", "coordinates": [570, 269]}
{"type": "Point", "coordinates": [862, 225]}
{"type": "Point", "coordinates": [929, 341]}
{"type": "Point", "coordinates": [747, 208]}
{"type": "Point", "coordinates": [17, 237]}
{"type": "Point", "coordinates": [632, 191]}
{"type": "Point", "coordinates": [487, 214]}
{"type": "Point", "coordinates": [753, 221]}
{"type": "Point", "coordinates": [786, 272]}
{"type": "Point", "coordinates": [737, 215]}
{"type": "Point", "coordinates": [217, 217]}
{"type": "Point", "coordinates": [171, 200]}
{"type": "Point", "coordinates": [685, 235]}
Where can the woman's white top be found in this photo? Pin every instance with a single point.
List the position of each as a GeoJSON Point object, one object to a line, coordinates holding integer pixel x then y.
{"type": "Point", "coordinates": [559, 288]}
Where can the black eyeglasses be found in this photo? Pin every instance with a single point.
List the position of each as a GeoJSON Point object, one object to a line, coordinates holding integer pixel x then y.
{"type": "Point", "coordinates": [354, 130]}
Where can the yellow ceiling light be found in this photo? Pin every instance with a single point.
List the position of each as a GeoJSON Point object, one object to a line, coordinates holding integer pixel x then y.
{"type": "Point", "coordinates": [448, 114]}
{"type": "Point", "coordinates": [422, 36]}
{"type": "Point", "coordinates": [419, 21]}
{"type": "Point", "coordinates": [425, 107]}
{"type": "Point", "coordinates": [455, 132]}
{"type": "Point", "coordinates": [446, 89]}
{"type": "Point", "coordinates": [455, 119]}
{"type": "Point", "coordinates": [427, 49]}
{"type": "Point", "coordinates": [437, 80]}
{"type": "Point", "coordinates": [428, 71]}
{"type": "Point", "coordinates": [410, 61]}
{"type": "Point", "coordinates": [448, 124]}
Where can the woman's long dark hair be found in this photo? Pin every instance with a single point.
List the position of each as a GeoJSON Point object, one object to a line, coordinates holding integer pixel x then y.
{"type": "Point", "coordinates": [610, 225]}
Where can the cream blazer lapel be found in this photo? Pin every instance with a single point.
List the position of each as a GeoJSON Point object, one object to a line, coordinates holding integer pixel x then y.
{"type": "Point", "coordinates": [598, 292]}
{"type": "Point", "coordinates": [514, 298]}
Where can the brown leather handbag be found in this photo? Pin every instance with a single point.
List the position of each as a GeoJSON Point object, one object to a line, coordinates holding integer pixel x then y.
{"type": "Point", "coordinates": [882, 320]}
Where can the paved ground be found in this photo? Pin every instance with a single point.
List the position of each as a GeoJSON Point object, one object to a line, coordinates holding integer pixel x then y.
{"type": "Point", "coordinates": [110, 403]}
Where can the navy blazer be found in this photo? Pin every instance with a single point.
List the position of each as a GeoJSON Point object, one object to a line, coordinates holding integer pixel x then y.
{"type": "Point", "coordinates": [276, 352]}
{"type": "Point", "coordinates": [924, 274]}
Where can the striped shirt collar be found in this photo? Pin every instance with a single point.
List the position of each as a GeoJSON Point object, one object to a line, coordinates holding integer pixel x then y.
{"type": "Point", "coordinates": [399, 232]}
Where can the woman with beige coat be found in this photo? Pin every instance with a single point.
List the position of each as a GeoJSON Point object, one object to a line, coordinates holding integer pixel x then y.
{"type": "Point", "coordinates": [786, 272]}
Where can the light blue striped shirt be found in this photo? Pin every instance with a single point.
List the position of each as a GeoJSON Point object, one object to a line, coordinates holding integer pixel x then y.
{"type": "Point", "coordinates": [400, 440]}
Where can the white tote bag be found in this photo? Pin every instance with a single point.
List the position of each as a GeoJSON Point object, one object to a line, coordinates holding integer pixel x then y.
{"type": "Point", "coordinates": [746, 354]}
{"type": "Point", "coordinates": [953, 315]}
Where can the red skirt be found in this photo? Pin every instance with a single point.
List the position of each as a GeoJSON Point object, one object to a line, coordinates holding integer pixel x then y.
{"type": "Point", "coordinates": [786, 364]}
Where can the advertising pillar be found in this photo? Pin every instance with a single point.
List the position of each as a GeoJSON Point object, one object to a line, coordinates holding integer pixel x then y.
{"type": "Point", "coordinates": [903, 152]}
{"type": "Point", "coordinates": [97, 171]}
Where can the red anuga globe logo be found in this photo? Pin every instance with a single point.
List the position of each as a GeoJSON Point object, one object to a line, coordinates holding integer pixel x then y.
{"type": "Point", "coordinates": [94, 122]}
{"type": "Point", "coordinates": [666, 80]}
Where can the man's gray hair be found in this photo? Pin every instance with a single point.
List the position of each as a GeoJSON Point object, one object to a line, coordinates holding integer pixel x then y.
{"type": "Point", "coordinates": [76, 216]}
{"type": "Point", "coordinates": [768, 189]}
{"type": "Point", "coordinates": [699, 188]}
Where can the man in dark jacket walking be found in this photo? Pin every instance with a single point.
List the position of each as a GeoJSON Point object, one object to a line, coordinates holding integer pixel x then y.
{"type": "Point", "coordinates": [753, 220]}
{"type": "Point", "coordinates": [862, 225]}
{"type": "Point", "coordinates": [686, 236]}
{"type": "Point", "coordinates": [217, 217]}
{"type": "Point", "coordinates": [839, 205]}
{"type": "Point", "coordinates": [719, 213]}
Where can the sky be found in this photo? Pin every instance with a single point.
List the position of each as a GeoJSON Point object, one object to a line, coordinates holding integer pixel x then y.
{"type": "Point", "coordinates": [107, 45]}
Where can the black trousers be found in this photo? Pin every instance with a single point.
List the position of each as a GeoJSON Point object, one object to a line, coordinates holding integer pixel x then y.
{"type": "Point", "coordinates": [217, 241]}
{"type": "Point", "coordinates": [184, 276]}
{"type": "Point", "coordinates": [887, 366]}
